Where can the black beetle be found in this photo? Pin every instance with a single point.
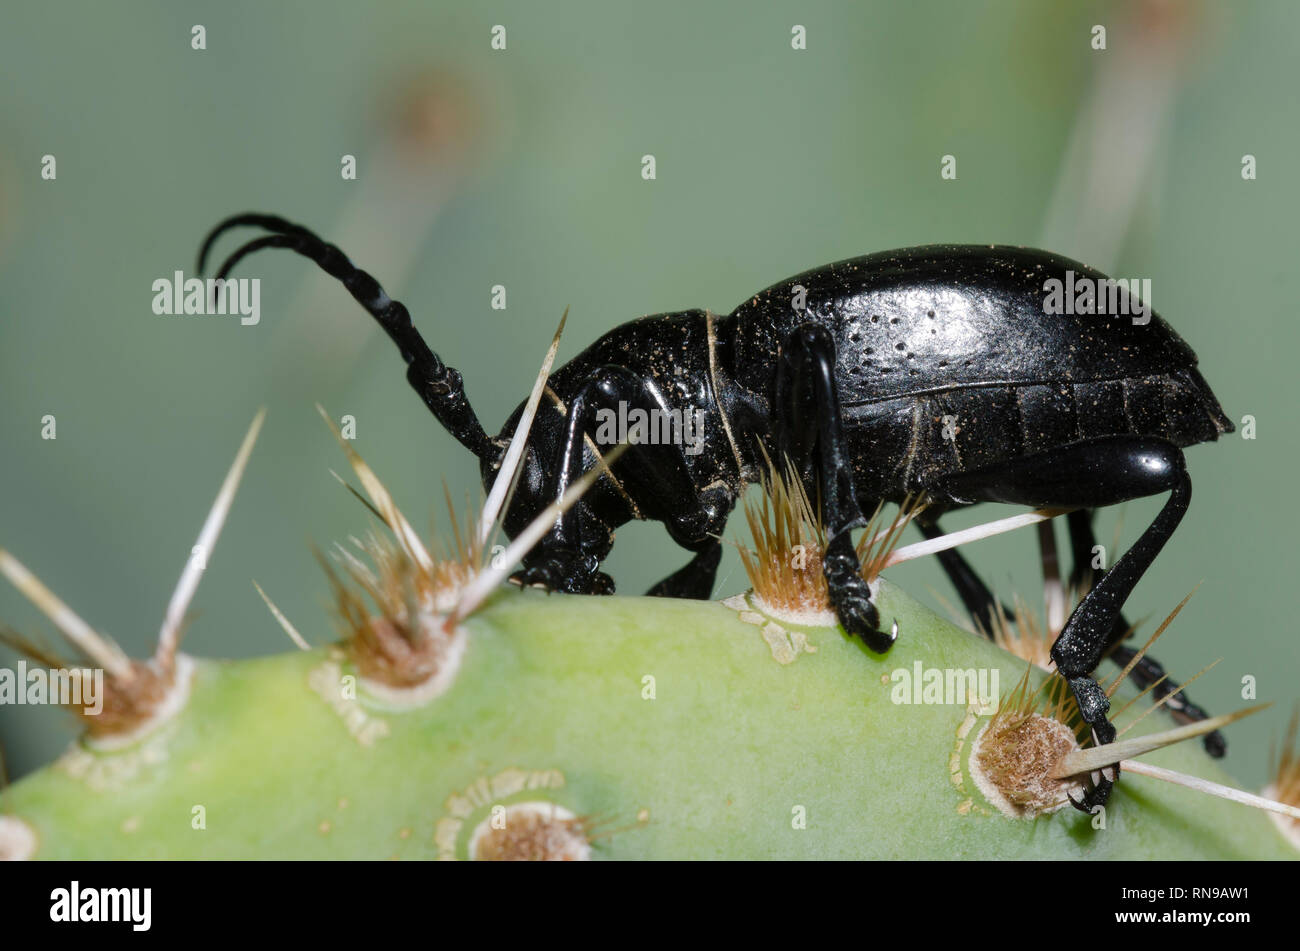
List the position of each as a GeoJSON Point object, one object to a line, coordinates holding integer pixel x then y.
{"type": "Point", "coordinates": [935, 369]}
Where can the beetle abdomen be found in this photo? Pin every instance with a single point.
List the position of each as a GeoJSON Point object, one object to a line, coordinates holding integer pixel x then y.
{"type": "Point", "coordinates": [916, 439]}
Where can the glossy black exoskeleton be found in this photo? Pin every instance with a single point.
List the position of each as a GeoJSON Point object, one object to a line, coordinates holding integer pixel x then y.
{"type": "Point", "coordinates": [936, 369]}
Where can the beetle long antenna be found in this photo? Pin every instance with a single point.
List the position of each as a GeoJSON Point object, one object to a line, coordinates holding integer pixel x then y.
{"type": "Point", "coordinates": [439, 385]}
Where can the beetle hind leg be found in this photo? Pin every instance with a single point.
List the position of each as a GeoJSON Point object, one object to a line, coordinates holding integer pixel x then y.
{"type": "Point", "coordinates": [980, 604]}
{"type": "Point", "coordinates": [1090, 474]}
{"type": "Point", "coordinates": [1147, 672]}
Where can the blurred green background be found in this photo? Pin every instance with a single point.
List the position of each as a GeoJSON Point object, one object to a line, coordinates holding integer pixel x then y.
{"type": "Point", "coordinates": [522, 168]}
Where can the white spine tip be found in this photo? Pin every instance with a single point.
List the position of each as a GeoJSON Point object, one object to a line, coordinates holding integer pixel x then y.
{"type": "Point", "coordinates": [1287, 825]}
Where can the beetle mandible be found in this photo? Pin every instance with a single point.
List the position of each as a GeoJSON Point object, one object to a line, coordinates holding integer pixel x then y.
{"type": "Point", "coordinates": [856, 372]}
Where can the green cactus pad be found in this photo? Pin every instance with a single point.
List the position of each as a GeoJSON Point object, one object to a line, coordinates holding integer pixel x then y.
{"type": "Point", "coordinates": [671, 729]}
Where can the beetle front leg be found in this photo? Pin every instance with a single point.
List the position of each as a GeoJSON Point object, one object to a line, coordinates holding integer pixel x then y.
{"type": "Point", "coordinates": [655, 475]}
{"type": "Point", "coordinates": [812, 436]}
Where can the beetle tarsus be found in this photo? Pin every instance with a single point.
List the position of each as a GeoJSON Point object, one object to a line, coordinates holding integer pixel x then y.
{"type": "Point", "coordinates": [1095, 797]}
{"type": "Point", "coordinates": [850, 596]}
{"type": "Point", "coordinates": [1093, 706]}
{"type": "Point", "coordinates": [566, 571]}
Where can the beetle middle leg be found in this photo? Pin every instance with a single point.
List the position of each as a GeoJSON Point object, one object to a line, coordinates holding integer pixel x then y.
{"type": "Point", "coordinates": [811, 435]}
{"type": "Point", "coordinates": [694, 579]}
{"type": "Point", "coordinates": [1090, 474]}
{"type": "Point", "coordinates": [655, 475]}
{"type": "Point", "coordinates": [975, 595]}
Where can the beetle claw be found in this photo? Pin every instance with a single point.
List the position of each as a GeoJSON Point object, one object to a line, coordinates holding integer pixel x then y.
{"type": "Point", "coordinates": [879, 641]}
{"type": "Point", "coordinates": [860, 618]}
{"type": "Point", "coordinates": [571, 575]}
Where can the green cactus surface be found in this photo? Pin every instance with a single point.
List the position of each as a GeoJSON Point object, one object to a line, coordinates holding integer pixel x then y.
{"type": "Point", "coordinates": [669, 729]}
